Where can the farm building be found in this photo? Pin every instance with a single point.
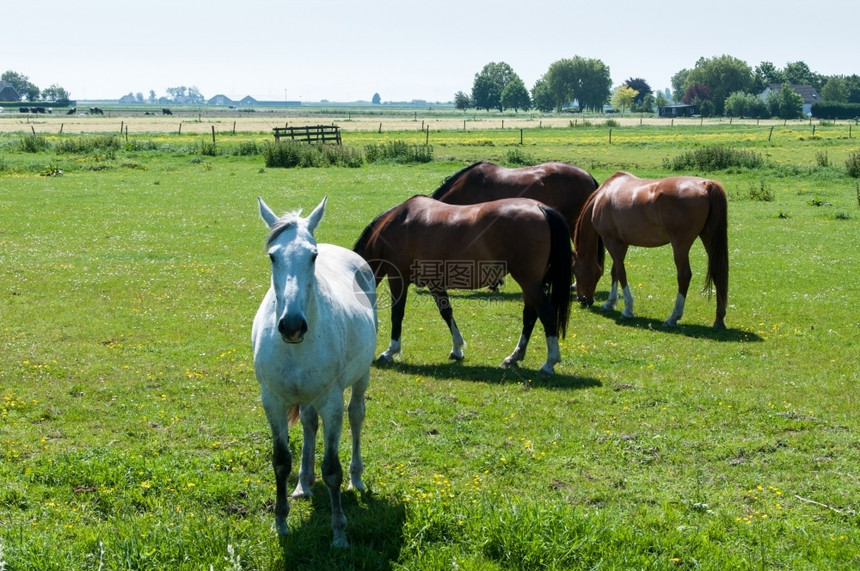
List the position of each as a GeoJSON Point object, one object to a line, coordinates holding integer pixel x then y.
{"type": "Point", "coordinates": [676, 110]}
{"type": "Point", "coordinates": [221, 100]}
{"type": "Point", "coordinates": [808, 93]}
{"type": "Point", "coordinates": [8, 93]}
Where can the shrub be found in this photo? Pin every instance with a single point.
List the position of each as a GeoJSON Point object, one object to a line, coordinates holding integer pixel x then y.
{"type": "Point", "coordinates": [399, 152]}
{"type": "Point", "coordinates": [33, 144]}
{"type": "Point", "coordinates": [519, 157]}
{"type": "Point", "coordinates": [714, 158]}
{"type": "Point", "coordinates": [88, 144]}
{"type": "Point", "coordinates": [852, 165]}
{"type": "Point", "coordinates": [246, 149]}
{"type": "Point", "coordinates": [291, 154]}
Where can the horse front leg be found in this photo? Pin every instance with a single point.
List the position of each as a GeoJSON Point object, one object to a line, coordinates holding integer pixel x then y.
{"type": "Point", "coordinates": [398, 290]}
{"type": "Point", "coordinates": [282, 460]}
{"type": "Point", "coordinates": [356, 419]}
{"type": "Point", "coordinates": [685, 274]}
{"type": "Point", "coordinates": [332, 471]}
{"type": "Point", "coordinates": [529, 319]}
{"type": "Point", "coordinates": [618, 251]}
{"type": "Point", "coordinates": [443, 303]}
{"type": "Point", "coordinates": [307, 477]}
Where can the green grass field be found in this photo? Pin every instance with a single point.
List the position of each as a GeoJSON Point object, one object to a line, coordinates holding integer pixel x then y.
{"type": "Point", "coordinates": [131, 430]}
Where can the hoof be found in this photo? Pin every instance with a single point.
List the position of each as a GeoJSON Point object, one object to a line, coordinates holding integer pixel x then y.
{"type": "Point", "coordinates": [340, 543]}
{"type": "Point", "coordinates": [385, 359]}
{"type": "Point", "coordinates": [547, 370]}
{"type": "Point", "coordinates": [509, 363]}
{"type": "Point", "coordinates": [452, 356]}
{"type": "Point", "coordinates": [670, 324]}
{"type": "Point", "coordinates": [719, 325]}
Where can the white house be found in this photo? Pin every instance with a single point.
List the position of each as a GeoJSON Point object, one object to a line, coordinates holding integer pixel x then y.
{"type": "Point", "coordinates": [808, 93]}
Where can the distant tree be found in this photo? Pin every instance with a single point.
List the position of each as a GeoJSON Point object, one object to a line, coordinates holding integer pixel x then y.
{"type": "Point", "coordinates": [489, 84]}
{"type": "Point", "coordinates": [176, 94]}
{"type": "Point", "coordinates": [376, 99]}
{"type": "Point", "coordinates": [642, 90]}
{"type": "Point", "coordinates": [799, 73]}
{"type": "Point", "coordinates": [542, 97]}
{"type": "Point", "coordinates": [740, 104]}
{"type": "Point", "coordinates": [785, 103]}
{"type": "Point", "coordinates": [21, 83]}
{"type": "Point", "coordinates": [515, 96]}
{"type": "Point", "coordinates": [585, 80]}
{"type": "Point", "coordinates": [195, 96]}
{"type": "Point", "coordinates": [152, 97]}
{"type": "Point", "coordinates": [462, 101]}
{"type": "Point", "coordinates": [138, 97]}
{"type": "Point", "coordinates": [835, 90]}
{"type": "Point", "coordinates": [624, 97]}
{"type": "Point", "coordinates": [56, 94]}
{"type": "Point", "coordinates": [661, 100]}
{"type": "Point", "coordinates": [764, 74]}
{"type": "Point", "coordinates": [679, 81]}
{"type": "Point", "coordinates": [852, 82]}
{"type": "Point", "coordinates": [696, 92]}
{"type": "Point", "coordinates": [721, 75]}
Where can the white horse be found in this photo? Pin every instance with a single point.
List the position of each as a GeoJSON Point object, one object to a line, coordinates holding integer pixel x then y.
{"type": "Point", "coordinates": [314, 335]}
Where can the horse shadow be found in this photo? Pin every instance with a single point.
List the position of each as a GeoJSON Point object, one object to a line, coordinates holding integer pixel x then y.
{"type": "Point", "coordinates": [691, 330]}
{"type": "Point", "coordinates": [460, 370]}
{"type": "Point", "coordinates": [370, 521]}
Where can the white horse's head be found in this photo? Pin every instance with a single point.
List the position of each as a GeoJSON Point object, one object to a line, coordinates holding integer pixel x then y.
{"type": "Point", "coordinates": [293, 251]}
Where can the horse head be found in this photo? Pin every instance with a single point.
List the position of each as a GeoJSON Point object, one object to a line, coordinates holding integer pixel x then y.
{"type": "Point", "coordinates": [587, 271]}
{"type": "Point", "coordinates": [292, 250]}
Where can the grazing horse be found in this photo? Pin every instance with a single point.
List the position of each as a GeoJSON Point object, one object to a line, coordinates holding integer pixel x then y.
{"type": "Point", "coordinates": [441, 246]}
{"type": "Point", "coordinates": [314, 335]}
{"type": "Point", "coordinates": [629, 211]}
{"type": "Point", "coordinates": [562, 186]}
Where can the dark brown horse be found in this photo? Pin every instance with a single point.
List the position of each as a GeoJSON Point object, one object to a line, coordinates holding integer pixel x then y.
{"type": "Point", "coordinates": [559, 185]}
{"type": "Point", "coordinates": [629, 211]}
{"type": "Point", "coordinates": [443, 246]}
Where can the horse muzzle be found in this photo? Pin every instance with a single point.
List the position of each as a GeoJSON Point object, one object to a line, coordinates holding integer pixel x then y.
{"type": "Point", "coordinates": [292, 331]}
{"type": "Point", "coordinates": [586, 301]}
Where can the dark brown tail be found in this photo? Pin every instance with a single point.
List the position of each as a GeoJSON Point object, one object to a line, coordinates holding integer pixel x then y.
{"type": "Point", "coordinates": [715, 237]}
{"type": "Point", "coordinates": [558, 275]}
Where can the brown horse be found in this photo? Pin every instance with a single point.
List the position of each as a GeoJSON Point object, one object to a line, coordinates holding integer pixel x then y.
{"type": "Point", "coordinates": [562, 186]}
{"type": "Point", "coordinates": [629, 211]}
{"type": "Point", "coordinates": [441, 246]}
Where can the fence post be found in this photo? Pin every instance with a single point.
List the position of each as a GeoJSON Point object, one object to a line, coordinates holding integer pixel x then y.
{"type": "Point", "coordinates": [610, 135]}
{"type": "Point", "coordinates": [521, 137]}
{"type": "Point", "coordinates": [427, 137]}
{"type": "Point", "coordinates": [213, 134]}
{"type": "Point", "coordinates": [770, 134]}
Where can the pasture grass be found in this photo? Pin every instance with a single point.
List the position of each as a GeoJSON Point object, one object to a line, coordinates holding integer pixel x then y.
{"type": "Point", "coordinates": [131, 431]}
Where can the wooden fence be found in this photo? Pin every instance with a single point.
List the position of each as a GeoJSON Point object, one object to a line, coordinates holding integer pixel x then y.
{"type": "Point", "coordinates": [310, 133]}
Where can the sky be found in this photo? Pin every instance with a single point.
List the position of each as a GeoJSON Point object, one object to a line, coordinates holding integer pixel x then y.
{"type": "Point", "coordinates": [348, 50]}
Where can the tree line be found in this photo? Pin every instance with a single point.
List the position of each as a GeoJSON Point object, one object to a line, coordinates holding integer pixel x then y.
{"type": "Point", "coordinates": [27, 91]}
{"type": "Point", "coordinates": [722, 85]}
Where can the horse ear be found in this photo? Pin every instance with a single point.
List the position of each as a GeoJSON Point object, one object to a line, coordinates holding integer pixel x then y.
{"type": "Point", "coordinates": [266, 213]}
{"type": "Point", "coordinates": [316, 215]}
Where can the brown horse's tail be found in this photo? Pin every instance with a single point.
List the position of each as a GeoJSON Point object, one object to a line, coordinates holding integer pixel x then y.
{"type": "Point", "coordinates": [293, 415]}
{"type": "Point", "coordinates": [558, 275]}
{"type": "Point", "coordinates": [715, 237]}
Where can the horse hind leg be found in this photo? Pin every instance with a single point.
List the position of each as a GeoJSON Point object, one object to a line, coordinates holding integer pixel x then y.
{"type": "Point", "coordinates": [685, 274]}
{"type": "Point", "coordinates": [529, 319]}
{"type": "Point", "coordinates": [307, 477]}
{"type": "Point", "coordinates": [398, 310]}
{"type": "Point", "coordinates": [443, 303]}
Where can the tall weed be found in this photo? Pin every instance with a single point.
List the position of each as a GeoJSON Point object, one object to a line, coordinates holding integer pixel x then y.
{"type": "Point", "coordinates": [852, 165]}
{"type": "Point", "coordinates": [714, 158]}
{"type": "Point", "coordinates": [398, 152]}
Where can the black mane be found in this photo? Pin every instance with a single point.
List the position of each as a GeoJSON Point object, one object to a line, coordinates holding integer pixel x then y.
{"type": "Point", "coordinates": [448, 182]}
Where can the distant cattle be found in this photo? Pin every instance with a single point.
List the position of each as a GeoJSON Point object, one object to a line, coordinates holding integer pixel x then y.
{"type": "Point", "coordinates": [72, 111]}
{"type": "Point", "coordinates": [96, 111]}
{"type": "Point", "coordinates": [23, 109]}
{"type": "Point", "coordinates": [166, 111]}
{"type": "Point", "coordinates": [38, 110]}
